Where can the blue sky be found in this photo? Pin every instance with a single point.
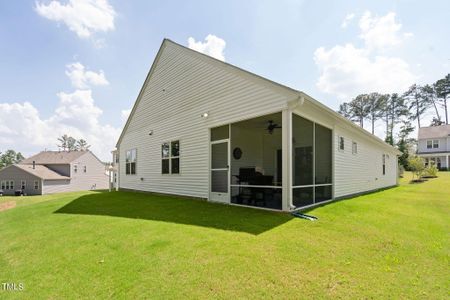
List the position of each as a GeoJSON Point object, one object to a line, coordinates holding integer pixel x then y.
{"type": "Point", "coordinates": [77, 66]}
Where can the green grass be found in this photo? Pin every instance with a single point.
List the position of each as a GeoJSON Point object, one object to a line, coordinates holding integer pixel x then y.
{"type": "Point", "coordinates": [390, 244]}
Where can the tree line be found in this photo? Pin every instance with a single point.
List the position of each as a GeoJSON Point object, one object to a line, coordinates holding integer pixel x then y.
{"type": "Point", "coordinates": [399, 110]}
{"type": "Point", "coordinates": [69, 143]}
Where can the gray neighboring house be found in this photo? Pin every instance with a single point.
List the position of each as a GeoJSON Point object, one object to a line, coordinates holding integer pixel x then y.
{"type": "Point", "coordinates": [51, 172]}
{"type": "Point", "coordinates": [434, 145]}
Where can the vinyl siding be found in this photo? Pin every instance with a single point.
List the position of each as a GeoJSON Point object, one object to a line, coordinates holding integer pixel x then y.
{"type": "Point", "coordinates": [17, 175]}
{"type": "Point", "coordinates": [443, 145]}
{"type": "Point", "coordinates": [192, 86]}
{"type": "Point", "coordinates": [94, 179]}
{"type": "Point", "coordinates": [184, 85]}
{"type": "Point", "coordinates": [356, 173]}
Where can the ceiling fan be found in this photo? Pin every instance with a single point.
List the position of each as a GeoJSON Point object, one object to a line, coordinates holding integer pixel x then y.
{"type": "Point", "coordinates": [271, 126]}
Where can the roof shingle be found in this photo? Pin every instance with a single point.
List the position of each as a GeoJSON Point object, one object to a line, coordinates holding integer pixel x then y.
{"type": "Point", "coordinates": [54, 157]}
{"type": "Point", "coordinates": [434, 132]}
{"type": "Point", "coordinates": [41, 172]}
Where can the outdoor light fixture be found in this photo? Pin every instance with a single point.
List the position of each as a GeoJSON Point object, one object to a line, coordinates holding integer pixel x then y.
{"type": "Point", "coordinates": [205, 115]}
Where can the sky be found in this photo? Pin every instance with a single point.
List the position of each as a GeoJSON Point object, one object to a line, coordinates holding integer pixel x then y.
{"type": "Point", "coordinates": [77, 66]}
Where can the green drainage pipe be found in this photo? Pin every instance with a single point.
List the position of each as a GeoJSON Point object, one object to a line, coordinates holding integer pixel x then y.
{"type": "Point", "coordinates": [303, 216]}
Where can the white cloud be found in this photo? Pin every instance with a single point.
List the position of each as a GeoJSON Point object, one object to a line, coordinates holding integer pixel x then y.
{"type": "Point", "coordinates": [213, 46]}
{"type": "Point", "coordinates": [348, 18]}
{"type": "Point", "coordinates": [347, 70]}
{"type": "Point", "coordinates": [81, 79]}
{"type": "Point", "coordinates": [381, 32]}
{"type": "Point", "coordinates": [22, 128]}
{"type": "Point", "coordinates": [84, 17]}
{"type": "Point", "coordinates": [125, 114]}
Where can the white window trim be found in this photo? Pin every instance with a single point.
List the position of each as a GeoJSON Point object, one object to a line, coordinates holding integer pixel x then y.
{"type": "Point", "coordinates": [170, 157]}
{"type": "Point", "coordinates": [438, 144]}
{"type": "Point", "coordinates": [23, 184]}
{"type": "Point", "coordinates": [431, 144]}
{"type": "Point", "coordinates": [36, 184]}
{"type": "Point", "coordinates": [131, 161]}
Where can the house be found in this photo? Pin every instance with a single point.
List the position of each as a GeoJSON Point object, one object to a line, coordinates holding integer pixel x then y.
{"type": "Point", "coordinates": [204, 128]}
{"type": "Point", "coordinates": [433, 145]}
{"type": "Point", "coordinates": [51, 172]}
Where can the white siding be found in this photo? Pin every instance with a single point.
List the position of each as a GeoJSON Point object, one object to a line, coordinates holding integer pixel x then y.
{"type": "Point", "coordinates": [192, 86]}
{"type": "Point", "coordinates": [443, 145]}
{"type": "Point", "coordinates": [356, 173]}
{"type": "Point", "coordinates": [95, 177]}
{"type": "Point", "coordinates": [185, 85]}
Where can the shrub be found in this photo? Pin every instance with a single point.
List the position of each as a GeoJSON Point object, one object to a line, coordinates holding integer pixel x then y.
{"type": "Point", "coordinates": [417, 165]}
{"type": "Point", "coordinates": [443, 169]}
{"type": "Point", "coordinates": [431, 171]}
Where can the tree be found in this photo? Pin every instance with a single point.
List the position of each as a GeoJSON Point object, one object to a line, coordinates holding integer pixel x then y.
{"type": "Point", "coordinates": [429, 95]}
{"type": "Point", "coordinates": [436, 122]}
{"type": "Point", "coordinates": [442, 87]}
{"type": "Point", "coordinates": [63, 142]}
{"type": "Point", "coordinates": [417, 166]}
{"type": "Point", "coordinates": [375, 107]}
{"type": "Point", "coordinates": [82, 145]}
{"type": "Point", "coordinates": [416, 102]}
{"type": "Point", "coordinates": [71, 144]}
{"type": "Point", "coordinates": [346, 111]}
{"type": "Point", "coordinates": [10, 157]}
{"type": "Point", "coordinates": [395, 110]}
{"type": "Point", "coordinates": [405, 144]}
{"type": "Point", "coordinates": [359, 108]}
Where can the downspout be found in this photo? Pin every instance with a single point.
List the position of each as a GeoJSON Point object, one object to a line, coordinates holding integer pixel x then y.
{"type": "Point", "coordinates": [292, 105]}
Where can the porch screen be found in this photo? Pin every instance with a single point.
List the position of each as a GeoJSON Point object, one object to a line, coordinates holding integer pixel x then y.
{"type": "Point", "coordinates": [311, 162]}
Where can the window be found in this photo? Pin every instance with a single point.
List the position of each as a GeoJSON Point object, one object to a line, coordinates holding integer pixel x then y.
{"type": "Point", "coordinates": [36, 185]}
{"type": "Point", "coordinates": [354, 147]}
{"type": "Point", "coordinates": [7, 185]}
{"type": "Point", "coordinates": [84, 169]}
{"type": "Point", "coordinates": [23, 184]}
{"type": "Point", "coordinates": [435, 144]}
{"type": "Point", "coordinates": [11, 184]}
{"type": "Point", "coordinates": [130, 162]}
{"type": "Point", "coordinates": [429, 144]}
{"type": "Point", "coordinates": [170, 157]}
{"type": "Point", "coordinates": [384, 164]}
{"type": "Point", "coordinates": [75, 168]}
{"type": "Point", "coordinates": [3, 185]}
{"type": "Point", "coordinates": [341, 143]}
{"type": "Point", "coordinates": [117, 158]}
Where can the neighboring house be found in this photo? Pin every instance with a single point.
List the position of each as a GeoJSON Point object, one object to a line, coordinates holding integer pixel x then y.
{"type": "Point", "coordinates": [53, 172]}
{"type": "Point", "coordinates": [434, 145]}
{"type": "Point", "coordinates": [204, 128]}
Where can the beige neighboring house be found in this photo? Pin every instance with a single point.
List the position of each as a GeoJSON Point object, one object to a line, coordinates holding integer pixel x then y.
{"type": "Point", "coordinates": [434, 145]}
{"type": "Point", "coordinates": [51, 172]}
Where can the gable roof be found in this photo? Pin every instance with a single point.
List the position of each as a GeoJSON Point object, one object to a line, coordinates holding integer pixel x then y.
{"type": "Point", "coordinates": [54, 157]}
{"type": "Point", "coordinates": [41, 171]}
{"type": "Point", "coordinates": [274, 85]}
{"type": "Point", "coordinates": [434, 132]}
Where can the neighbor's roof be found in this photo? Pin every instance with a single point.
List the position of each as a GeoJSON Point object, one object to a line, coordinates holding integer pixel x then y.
{"type": "Point", "coordinates": [54, 157]}
{"type": "Point", "coordinates": [434, 132]}
{"type": "Point", "coordinates": [41, 172]}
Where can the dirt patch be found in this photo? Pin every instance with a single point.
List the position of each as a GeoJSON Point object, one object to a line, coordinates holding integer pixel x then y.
{"type": "Point", "coordinates": [7, 205]}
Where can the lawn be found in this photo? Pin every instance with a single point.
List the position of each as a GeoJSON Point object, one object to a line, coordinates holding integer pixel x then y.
{"type": "Point", "coordinates": [390, 244]}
